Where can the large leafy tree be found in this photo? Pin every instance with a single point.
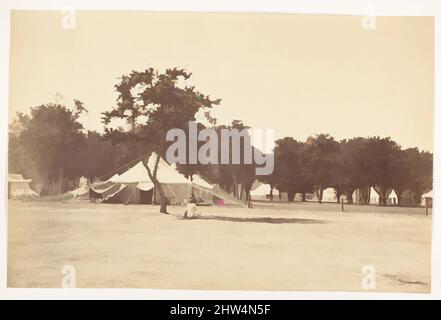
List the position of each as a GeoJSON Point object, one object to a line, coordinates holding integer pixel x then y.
{"type": "Point", "coordinates": [236, 179]}
{"type": "Point", "coordinates": [383, 152]}
{"type": "Point", "coordinates": [239, 177]}
{"type": "Point", "coordinates": [152, 103]}
{"type": "Point", "coordinates": [290, 172]}
{"type": "Point", "coordinates": [420, 176]}
{"type": "Point", "coordinates": [46, 147]}
{"type": "Point", "coordinates": [345, 175]}
{"type": "Point", "coordinates": [97, 157]}
{"type": "Point", "coordinates": [16, 153]}
{"type": "Point", "coordinates": [321, 159]}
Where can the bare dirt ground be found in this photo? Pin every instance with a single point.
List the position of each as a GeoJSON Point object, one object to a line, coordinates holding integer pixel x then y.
{"type": "Point", "coordinates": [301, 246]}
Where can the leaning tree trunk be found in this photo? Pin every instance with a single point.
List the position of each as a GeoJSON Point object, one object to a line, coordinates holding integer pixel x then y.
{"type": "Point", "coordinates": [156, 183]}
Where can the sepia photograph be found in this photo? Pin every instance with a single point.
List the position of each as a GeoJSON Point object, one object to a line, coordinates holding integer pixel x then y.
{"type": "Point", "coordinates": [220, 151]}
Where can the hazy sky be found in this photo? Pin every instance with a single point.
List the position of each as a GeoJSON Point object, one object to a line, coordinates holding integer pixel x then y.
{"type": "Point", "coordinates": [297, 74]}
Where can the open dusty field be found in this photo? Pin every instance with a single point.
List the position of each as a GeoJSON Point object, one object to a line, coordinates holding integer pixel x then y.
{"type": "Point", "coordinates": [270, 247]}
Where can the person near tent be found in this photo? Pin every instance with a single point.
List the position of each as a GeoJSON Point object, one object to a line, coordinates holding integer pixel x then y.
{"type": "Point", "coordinates": [191, 210]}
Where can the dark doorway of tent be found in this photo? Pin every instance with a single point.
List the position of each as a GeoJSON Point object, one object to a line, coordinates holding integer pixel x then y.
{"type": "Point", "coordinates": [130, 194]}
{"type": "Point", "coordinates": [121, 193]}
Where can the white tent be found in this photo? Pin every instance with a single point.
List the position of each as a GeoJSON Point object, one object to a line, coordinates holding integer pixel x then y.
{"type": "Point", "coordinates": [262, 192]}
{"type": "Point", "coordinates": [82, 189]}
{"type": "Point", "coordinates": [427, 197]}
{"type": "Point", "coordinates": [19, 187]}
{"type": "Point", "coordinates": [392, 198]}
{"type": "Point", "coordinates": [199, 181]}
{"type": "Point", "coordinates": [138, 174]}
{"type": "Point", "coordinates": [175, 185]}
{"type": "Point", "coordinates": [115, 176]}
{"type": "Point", "coordinates": [329, 195]}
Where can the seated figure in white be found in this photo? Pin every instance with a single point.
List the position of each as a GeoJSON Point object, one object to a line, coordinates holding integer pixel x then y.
{"type": "Point", "coordinates": [191, 210]}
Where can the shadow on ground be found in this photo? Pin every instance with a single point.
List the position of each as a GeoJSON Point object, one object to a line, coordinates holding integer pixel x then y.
{"type": "Point", "coordinates": [260, 220]}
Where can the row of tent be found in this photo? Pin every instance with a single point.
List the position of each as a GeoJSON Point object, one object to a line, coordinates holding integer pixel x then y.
{"type": "Point", "coordinates": [134, 186]}
{"type": "Point", "coordinates": [262, 192]}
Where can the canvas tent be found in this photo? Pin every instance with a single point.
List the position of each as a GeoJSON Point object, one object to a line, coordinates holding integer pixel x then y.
{"type": "Point", "coordinates": [82, 189]}
{"type": "Point", "coordinates": [263, 191]}
{"type": "Point", "coordinates": [199, 181]}
{"type": "Point", "coordinates": [18, 187]}
{"type": "Point", "coordinates": [135, 186]}
{"type": "Point", "coordinates": [428, 194]}
{"type": "Point", "coordinates": [329, 195]}
{"type": "Point", "coordinates": [392, 198]}
{"type": "Point", "coordinates": [427, 198]}
{"type": "Point", "coordinates": [374, 197]}
{"type": "Point", "coordinates": [139, 186]}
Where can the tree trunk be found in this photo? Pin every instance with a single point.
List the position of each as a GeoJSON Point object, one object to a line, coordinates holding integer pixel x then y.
{"type": "Point", "coordinates": [417, 198]}
{"type": "Point", "coordinates": [291, 195]}
{"type": "Point", "coordinates": [156, 183]}
{"type": "Point", "coordinates": [319, 194]}
{"type": "Point", "coordinates": [338, 194]}
{"type": "Point", "coordinates": [399, 193]}
{"type": "Point", "coordinates": [163, 200]}
{"type": "Point", "coordinates": [365, 195]}
{"type": "Point", "coordinates": [349, 196]}
{"type": "Point", "coordinates": [236, 186]}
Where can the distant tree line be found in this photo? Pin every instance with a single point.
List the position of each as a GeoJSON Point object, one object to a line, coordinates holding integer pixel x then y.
{"type": "Point", "coordinates": [358, 163]}
{"type": "Point", "coordinates": [51, 147]}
